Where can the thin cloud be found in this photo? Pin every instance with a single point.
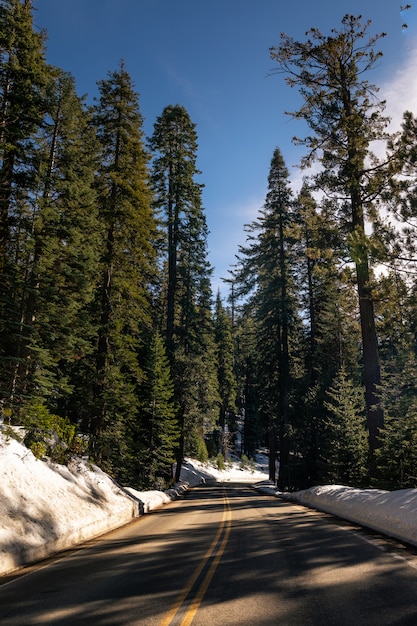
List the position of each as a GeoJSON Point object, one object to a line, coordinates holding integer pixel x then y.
{"type": "Point", "coordinates": [249, 209]}
{"type": "Point", "coordinates": [400, 93]}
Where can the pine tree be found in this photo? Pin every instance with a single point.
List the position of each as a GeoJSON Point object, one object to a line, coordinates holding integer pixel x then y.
{"type": "Point", "coordinates": [177, 195]}
{"type": "Point", "coordinates": [345, 446]}
{"type": "Point", "coordinates": [188, 318]}
{"type": "Point", "coordinates": [254, 431]}
{"type": "Point", "coordinates": [195, 375]}
{"type": "Point", "coordinates": [397, 457]}
{"type": "Point", "coordinates": [69, 226]}
{"type": "Point", "coordinates": [23, 78]}
{"type": "Point", "coordinates": [330, 320]}
{"type": "Point", "coordinates": [401, 199]}
{"type": "Point", "coordinates": [56, 251]}
{"type": "Point", "coordinates": [395, 306]}
{"type": "Point", "coordinates": [225, 372]}
{"type": "Point", "coordinates": [266, 269]}
{"type": "Point", "coordinates": [344, 119]}
{"type": "Point", "coordinates": [127, 264]}
{"type": "Point", "coordinates": [156, 434]}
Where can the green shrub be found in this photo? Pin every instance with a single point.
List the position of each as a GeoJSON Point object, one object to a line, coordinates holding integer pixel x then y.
{"type": "Point", "coordinates": [38, 449]}
{"type": "Point", "coordinates": [195, 446]}
{"type": "Point", "coordinates": [50, 435]}
{"type": "Point", "coordinates": [220, 461]}
{"type": "Point", "coordinates": [246, 463]}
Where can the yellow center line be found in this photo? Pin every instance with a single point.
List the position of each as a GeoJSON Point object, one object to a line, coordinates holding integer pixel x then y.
{"type": "Point", "coordinates": [189, 616]}
{"type": "Point", "coordinates": [226, 518]}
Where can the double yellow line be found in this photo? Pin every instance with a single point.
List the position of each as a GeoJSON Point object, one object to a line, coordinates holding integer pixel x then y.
{"type": "Point", "coordinates": [217, 549]}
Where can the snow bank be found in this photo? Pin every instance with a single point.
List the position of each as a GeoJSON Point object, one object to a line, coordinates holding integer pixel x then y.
{"type": "Point", "coordinates": [149, 500]}
{"type": "Point", "coordinates": [393, 513]}
{"type": "Point", "coordinates": [46, 507]}
{"type": "Point", "coordinates": [194, 473]}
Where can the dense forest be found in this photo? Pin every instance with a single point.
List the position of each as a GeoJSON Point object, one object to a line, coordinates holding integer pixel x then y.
{"type": "Point", "coordinates": [112, 343]}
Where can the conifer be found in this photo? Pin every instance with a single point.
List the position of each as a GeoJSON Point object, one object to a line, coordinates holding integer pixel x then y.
{"type": "Point", "coordinates": [189, 331]}
{"type": "Point", "coordinates": [127, 263]}
{"type": "Point", "coordinates": [345, 120]}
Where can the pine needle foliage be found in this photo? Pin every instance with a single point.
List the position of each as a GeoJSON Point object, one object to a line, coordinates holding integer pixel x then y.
{"type": "Point", "coordinates": [188, 319]}
{"type": "Point", "coordinates": [341, 109]}
{"type": "Point", "coordinates": [155, 432]}
{"type": "Point", "coordinates": [345, 446]}
{"type": "Point", "coordinates": [127, 263]}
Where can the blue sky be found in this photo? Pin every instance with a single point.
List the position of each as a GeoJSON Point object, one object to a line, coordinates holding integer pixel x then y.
{"type": "Point", "coordinates": [212, 57]}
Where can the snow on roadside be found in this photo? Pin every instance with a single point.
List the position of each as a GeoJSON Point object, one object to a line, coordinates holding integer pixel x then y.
{"type": "Point", "coordinates": [194, 473]}
{"type": "Point", "coordinates": [393, 513]}
{"type": "Point", "coordinates": [233, 472]}
{"type": "Point", "coordinates": [46, 507]}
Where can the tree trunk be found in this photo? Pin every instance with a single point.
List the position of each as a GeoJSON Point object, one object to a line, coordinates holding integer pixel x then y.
{"type": "Point", "coordinates": [372, 375]}
{"type": "Point", "coordinates": [180, 449]}
{"type": "Point", "coordinates": [6, 175]}
{"type": "Point", "coordinates": [272, 449]}
{"type": "Point", "coordinates": [370, 353]}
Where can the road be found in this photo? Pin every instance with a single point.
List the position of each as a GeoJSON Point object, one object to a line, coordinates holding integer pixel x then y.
{"type": "Point", "coordinates": [225, 555]}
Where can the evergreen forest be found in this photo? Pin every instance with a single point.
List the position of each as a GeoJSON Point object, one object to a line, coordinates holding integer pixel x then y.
{"type": "Point", "coordinates": [112, 343]}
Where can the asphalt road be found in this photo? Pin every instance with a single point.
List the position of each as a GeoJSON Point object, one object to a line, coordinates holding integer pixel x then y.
{"type": "Point", "coordinates": [225, 555]}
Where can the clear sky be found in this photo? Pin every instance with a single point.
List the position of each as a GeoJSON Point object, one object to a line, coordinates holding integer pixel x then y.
{"type": "Point", "coordinates": [212, 57]}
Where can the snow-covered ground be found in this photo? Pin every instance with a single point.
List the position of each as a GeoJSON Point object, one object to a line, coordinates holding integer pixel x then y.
{"type": "Point", "coordinates": [46, 507]}
{"type": "Point", "coordinates": [393, 513]}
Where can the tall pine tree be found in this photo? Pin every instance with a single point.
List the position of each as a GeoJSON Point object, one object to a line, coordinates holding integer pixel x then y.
{"type": "Point", "coordinates": [344, 119]}
{"type": "Point", "coordinates": [187, 317]}
{"type": "Point", "coordinates": [155, 436]}
{"type": "Point", "coordinates": [23, 78]}
{"type": "Point", "coordinates": [56, 250]}
{"type": "Point", "coordinates": [225, 372]}
{"type": "Point", "coordinates": [127, 265]}
{"type": "Point", "coordinates": [266, 268]}
{"type": "Point", "coordinates": [332, 333]}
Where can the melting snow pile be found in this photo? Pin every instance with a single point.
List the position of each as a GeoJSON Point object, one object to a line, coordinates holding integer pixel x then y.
{"type": "Point", "coordinates": [46, 507]}
{"type": "Point", "coordinates": [393, 513]}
